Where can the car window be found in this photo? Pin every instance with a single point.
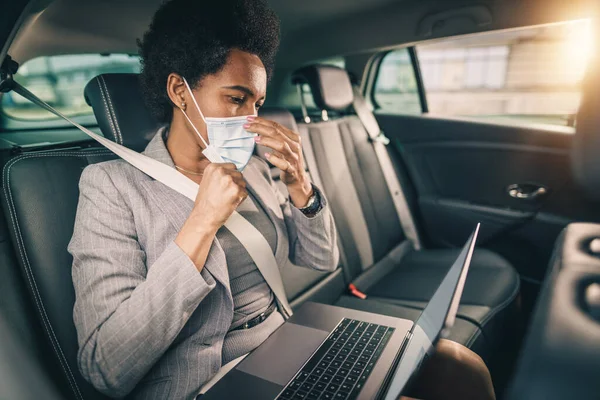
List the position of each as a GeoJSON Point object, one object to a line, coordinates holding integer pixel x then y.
{"type": "Point", "coordinates": [60, 80]}
{"type": "Point", "coordinates": [523, 76]}
{"type": "Point", "coordinates": [396, 84]}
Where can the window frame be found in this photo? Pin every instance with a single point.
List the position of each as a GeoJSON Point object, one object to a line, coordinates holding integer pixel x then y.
{"type": "Point", "coordinates": [419, 78]}
{"type": "Point", "coordinates": [373, 74]}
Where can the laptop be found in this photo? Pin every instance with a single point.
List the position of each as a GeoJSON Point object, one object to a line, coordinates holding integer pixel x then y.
{"type": "Point", "coordinates": [328, 352]}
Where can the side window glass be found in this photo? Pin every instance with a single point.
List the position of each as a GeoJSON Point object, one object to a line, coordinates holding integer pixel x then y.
{"type": "Point", "coordinates": [60, 80]}
{"type": "Point", "coordinates": [524, 76]}
{"type": "Point", "coordinates": [395, 89]}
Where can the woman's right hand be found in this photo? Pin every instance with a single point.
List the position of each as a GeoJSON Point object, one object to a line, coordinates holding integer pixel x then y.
{"type": "Point", "coordinates": [221, 190]}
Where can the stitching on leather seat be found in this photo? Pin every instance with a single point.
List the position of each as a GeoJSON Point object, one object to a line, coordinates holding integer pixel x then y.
{"type": "Point", "coordinates": [112, 125]}
{"type": "Point", "coordinates": [25, 259]}
{"type": "Point", "coordinates": [114, 114]}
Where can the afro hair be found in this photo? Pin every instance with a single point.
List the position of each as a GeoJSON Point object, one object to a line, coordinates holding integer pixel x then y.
{"type": "Point", "coordinates": [193, 38]}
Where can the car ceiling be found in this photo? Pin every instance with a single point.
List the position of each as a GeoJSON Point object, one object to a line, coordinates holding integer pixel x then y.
{"type": "Point", "coordinates": [311, 29]}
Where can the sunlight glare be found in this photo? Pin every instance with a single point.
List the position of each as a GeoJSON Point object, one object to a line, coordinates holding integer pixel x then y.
{"type": "Point", "coordinates": [578, 49]}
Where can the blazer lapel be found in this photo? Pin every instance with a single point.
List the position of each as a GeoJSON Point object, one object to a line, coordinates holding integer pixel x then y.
{"type": "Point", "coordinates": [177, 207]}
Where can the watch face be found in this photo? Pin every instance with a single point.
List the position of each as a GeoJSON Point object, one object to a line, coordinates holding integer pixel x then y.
{"type": "Point", "coordinates": [314, 203]}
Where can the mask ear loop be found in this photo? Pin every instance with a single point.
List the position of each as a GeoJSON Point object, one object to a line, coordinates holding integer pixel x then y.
{"type": "Point", "coordinates": [199, 111]}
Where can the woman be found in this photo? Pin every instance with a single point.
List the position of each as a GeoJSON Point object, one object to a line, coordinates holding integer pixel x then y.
{"type": "Point", "coordinates": [165, 295]}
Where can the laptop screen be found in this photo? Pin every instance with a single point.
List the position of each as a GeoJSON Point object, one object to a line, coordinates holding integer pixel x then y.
{"type": "Point", "coordinates": [435, 320]}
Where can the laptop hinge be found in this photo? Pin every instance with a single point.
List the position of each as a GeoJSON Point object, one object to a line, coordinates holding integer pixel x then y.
{"type": "Point", "coordinates": [388, 378]}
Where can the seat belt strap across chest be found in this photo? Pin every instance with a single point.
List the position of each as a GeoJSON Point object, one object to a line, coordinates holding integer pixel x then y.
{"type": "Point", "coordinates": [253, 241]}
{"type": "Point", "coordinates": [391, 179]}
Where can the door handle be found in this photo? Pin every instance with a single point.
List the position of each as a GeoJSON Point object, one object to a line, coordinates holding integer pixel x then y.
{"type": "Point", "coordinates": [526, 191]}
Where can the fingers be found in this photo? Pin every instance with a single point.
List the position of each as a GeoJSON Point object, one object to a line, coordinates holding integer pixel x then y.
{"type": "Point", "coordinates": [222, 169]}
{"type": "Point", "coordinates": [279, 162]}
{"type": "Point", "coordinates": [235, 185]}
{"type": "Point", "coordinates": [281, 147]}
{"type": "Point", "coordinates": [241, 197]}
{"type": "Point", "coordinates": [227, 173]}
{"type": "Point", "coordinates": [285, 143]}
{"type": "Point", "coordinates": [237, 178]}
{"type": "Point", "coordinates": [269, 128]}
{"type": "Point", "coordinates": [225, 166]}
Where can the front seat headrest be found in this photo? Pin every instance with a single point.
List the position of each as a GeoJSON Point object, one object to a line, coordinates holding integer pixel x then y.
{"type": "Point", "coordinates": [585, 154]}
{"type": "Point", "coordinates": [330, 86]}
{"type": "Point", "coordinates": [120, 110]}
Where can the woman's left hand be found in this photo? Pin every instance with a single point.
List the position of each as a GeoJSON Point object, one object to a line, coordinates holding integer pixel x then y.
{"type": "Point", "coordinates": [286, 155]}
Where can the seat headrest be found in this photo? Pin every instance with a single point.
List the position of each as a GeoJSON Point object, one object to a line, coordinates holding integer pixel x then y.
{"type": "Point", "coordinates": [585, 154]}
{"type": "Point", "coordinates": [330, 86]}
{"type": "Point", "coordinates": [120, 110]}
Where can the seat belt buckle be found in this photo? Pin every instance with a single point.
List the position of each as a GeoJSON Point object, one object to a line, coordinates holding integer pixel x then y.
{"type": "Point", "coordinates": [381, 138]}
{"type": "Point", "coordinates": [355, 292]}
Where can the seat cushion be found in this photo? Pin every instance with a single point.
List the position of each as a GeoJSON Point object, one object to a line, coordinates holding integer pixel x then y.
{"type": "Point", "coordinates": [489, 301]}
{"type": "Point", "coordinates": [463, 331]}
{"type": "Point", "coordinates": [492, 283]}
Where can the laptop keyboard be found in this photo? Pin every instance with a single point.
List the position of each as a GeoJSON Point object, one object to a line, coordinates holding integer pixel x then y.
{"type": "Point", "coordinates": [341, 365]}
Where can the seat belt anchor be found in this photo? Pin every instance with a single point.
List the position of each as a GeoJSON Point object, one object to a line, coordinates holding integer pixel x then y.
{"type": "Point", "coordinates": [8, 68]}
{"type": "Point", "coordinates": [355, 292]}
{"type": "Point", "coordinates": [381, 138]}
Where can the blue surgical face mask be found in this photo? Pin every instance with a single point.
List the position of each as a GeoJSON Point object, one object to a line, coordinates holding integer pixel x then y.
{"type": "Point", "coordinates": [228, 140]}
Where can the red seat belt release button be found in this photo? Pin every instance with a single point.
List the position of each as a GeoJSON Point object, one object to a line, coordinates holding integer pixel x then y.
{"type": "Point", "coordinates": [355, 292]}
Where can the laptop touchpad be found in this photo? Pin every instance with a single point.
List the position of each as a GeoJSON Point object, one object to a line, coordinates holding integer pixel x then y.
{"type": "Point", "coordinates": [283, 353]}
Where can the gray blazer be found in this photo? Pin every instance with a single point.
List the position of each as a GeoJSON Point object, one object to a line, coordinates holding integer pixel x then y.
{"type": "Point", "coordinates": [148, 323]}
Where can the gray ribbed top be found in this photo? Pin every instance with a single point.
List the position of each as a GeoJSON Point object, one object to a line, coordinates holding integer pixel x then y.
{"type": "Point", "coordinates": [251, 294]}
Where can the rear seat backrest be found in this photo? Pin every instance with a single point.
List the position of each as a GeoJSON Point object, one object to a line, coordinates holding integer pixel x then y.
{"type": "Point", "coordinates": [16, 306]}
{"type": "Point", "coordinates": [40, 198]}
{"type": "Point", "coordinates": [349, 168]}
{"type": "Point", "coordinates": [298, 281]}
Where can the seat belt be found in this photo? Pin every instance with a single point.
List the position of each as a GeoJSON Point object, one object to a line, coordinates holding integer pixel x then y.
{"type": "Point", "coordinates": [380, 141]}
{"type": "Point", "coordinates": [253, 241]}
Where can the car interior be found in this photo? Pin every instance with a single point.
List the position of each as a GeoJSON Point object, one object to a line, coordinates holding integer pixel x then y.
{"type": "Point", "coordinates": [488, 110]}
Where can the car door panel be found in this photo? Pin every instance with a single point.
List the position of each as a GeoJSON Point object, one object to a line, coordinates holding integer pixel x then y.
{"type": "Point", "coordinates": [461, 170]}
{"type": "Point", "coordinates": [440, 168]}
{"type": "Point", "coordinates": [449, 221]}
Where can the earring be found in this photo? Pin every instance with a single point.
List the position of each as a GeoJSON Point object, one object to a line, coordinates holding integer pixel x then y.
{"type": "Point", "coordinates": [183, 105]}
